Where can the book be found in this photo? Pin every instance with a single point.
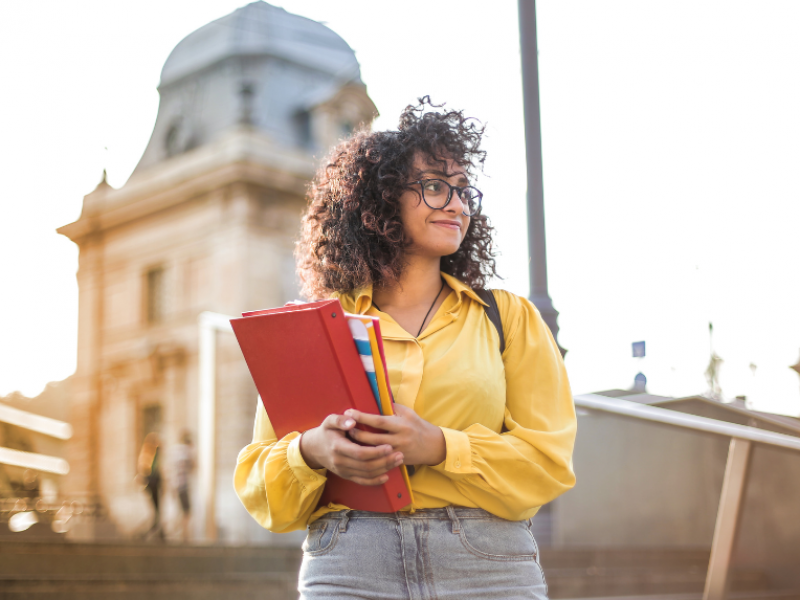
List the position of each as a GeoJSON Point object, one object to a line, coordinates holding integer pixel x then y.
{"type": "Point", "coordinates": [373, 331]}
{"type": "Point", "coordinates": [385, 401]}
{"type": "Point", "coordinates": [358, 329]}
{"type": "Point", "coordinates": [306, 365]}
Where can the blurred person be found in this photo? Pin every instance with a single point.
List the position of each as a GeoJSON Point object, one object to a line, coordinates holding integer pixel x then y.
{"type": "Point", "coordinates": [150, 475]}
{"type": "Point", "coordinates": [393, 229]}
{"type": "Point", "coordinates": [183, 465]}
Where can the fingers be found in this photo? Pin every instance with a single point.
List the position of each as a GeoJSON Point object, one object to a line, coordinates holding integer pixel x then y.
{"type": "Point", "coordinates": [370, 438]}
{"type": "Point", "coordinates": [370, 481]}
{"type": "Point", "coordinates": [400, 410]}
{"type": "Point", "coordinates": [389, 424]}
{"type": "Point", "coordinates": [340, 422]}
{"type": "Point", "coordinates": [353, 451]}
{"type": "Point", "coordinates": [365, 465]}
{"type": "Point", "coordinates": [350, 468]}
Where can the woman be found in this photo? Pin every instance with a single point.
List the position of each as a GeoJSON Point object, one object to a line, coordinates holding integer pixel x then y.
{"type": "Point", "coordinates": [394, 230]}
{"type": "Point", "coordinates": [149, 468]}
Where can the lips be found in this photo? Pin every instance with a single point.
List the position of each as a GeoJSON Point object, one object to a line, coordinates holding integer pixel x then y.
{"type": "Point", "coordinates": [448, 224]}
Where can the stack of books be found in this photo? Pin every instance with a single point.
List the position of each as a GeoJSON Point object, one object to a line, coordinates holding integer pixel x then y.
{"type": "Point", "coordinates": [312, 360]}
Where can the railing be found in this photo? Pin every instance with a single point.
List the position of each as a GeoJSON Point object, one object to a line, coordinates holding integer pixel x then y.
{"type": "Point", "coordinates": [733, 484]}
{"type": "Point", "coordinates": [21, 512]}
{"type": "Point", "coordinates": [39, 424]}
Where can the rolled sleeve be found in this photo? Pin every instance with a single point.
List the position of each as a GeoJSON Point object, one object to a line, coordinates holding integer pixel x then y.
{"type": "Point", "coordinates": [273, 481]}
{"type": "Point", "coordinates": [458, 458]}
{"type": "Point", "coordinates": [307, 477]}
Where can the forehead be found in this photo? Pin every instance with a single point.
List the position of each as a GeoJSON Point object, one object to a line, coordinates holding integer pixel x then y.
{"type": "Point", "coordinates": [446, 166]}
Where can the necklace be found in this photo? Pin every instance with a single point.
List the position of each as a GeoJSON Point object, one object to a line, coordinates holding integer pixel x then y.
{"type": "Point", "coordinates": [427, 313]}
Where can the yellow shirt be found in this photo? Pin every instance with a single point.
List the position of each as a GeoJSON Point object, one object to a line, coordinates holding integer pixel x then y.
{"type": "Point", "coordinates": [508, 422]}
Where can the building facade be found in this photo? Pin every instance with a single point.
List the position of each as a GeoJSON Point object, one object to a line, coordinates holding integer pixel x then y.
{"type": "Point", "coordinates": [207, 222]}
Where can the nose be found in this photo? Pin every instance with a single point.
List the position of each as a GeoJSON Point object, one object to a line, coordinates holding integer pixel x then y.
{"type": "Point", "coordinates": [456, 204]}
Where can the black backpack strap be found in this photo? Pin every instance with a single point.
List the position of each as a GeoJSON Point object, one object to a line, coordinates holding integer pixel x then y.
{"type": "Point", "coordinates": [494, 315]}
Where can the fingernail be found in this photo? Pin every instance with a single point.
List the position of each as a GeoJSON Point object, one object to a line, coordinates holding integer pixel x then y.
{"type": "Point", "coordinates": [349, 423]}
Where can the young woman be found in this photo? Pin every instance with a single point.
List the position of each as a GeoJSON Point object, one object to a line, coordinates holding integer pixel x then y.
{"type": "Point", "coordinates": [394, 229]}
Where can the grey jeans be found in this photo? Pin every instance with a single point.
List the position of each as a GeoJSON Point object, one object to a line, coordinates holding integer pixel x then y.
{"type": "Point", "coordinates": [437, 554]}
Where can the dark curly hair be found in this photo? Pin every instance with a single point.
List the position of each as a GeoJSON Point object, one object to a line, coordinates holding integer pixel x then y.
{"type": "Point", "coordinates": [351, 232]}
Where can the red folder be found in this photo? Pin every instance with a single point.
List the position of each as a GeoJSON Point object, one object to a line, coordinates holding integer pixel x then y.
{"type": "Point", "coordinates": [305, 365]}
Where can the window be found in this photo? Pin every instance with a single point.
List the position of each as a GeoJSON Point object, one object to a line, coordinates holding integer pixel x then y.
{"type": "Point", "coordinates": [302, 122]}
{"type": "Point", "coordinates": [151, 419]}
{"type": "Point", "coordinates": [154, 295]}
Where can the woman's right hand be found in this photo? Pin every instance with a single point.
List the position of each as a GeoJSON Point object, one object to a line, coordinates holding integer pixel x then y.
{"type": "Point", "coordinates": [329, 446]}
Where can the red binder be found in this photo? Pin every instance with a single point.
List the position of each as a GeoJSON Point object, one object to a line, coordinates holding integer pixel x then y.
{"type": "Point", "coordinates": [305, 365]}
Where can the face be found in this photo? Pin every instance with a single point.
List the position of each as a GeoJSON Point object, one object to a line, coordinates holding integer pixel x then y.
{"type": "Point", "coordinates": [434, 232]}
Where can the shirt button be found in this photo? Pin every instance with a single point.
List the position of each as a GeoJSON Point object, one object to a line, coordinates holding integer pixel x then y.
{"type": "Point", "coordinates": [457, 465]}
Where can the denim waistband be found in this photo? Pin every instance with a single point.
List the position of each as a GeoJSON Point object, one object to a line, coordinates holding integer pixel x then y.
{"type": "Point", "coordinates": [449, 513]}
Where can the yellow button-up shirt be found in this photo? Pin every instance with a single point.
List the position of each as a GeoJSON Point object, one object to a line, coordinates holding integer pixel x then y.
{"type": "Point", "coordinates": [508, 421]}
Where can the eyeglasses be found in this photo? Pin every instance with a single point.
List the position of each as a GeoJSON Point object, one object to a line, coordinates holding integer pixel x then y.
{"type": "Point", "coordinates": [437, 193]}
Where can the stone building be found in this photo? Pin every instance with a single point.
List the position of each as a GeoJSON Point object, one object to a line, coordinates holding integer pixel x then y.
{"type": "Point", "coordinates": [207, 222]}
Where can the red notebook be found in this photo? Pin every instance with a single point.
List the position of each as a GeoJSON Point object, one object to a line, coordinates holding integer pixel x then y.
{"type": "Point", "coordinates": [305, 365]}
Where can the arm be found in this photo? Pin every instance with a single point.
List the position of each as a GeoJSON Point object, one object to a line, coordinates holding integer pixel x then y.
{"type": "Point", "coordinates": [511, 473]}
{"type": "Point", "coordinates": [531, 463]}
{"type": "Point", "coordinates": [277, 486]}
{"type": "Point", "coordinates": [273, 482]}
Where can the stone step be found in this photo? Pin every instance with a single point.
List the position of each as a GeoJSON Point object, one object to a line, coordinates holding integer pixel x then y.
{"type": "Point", "coordinates": [762, 595]}
{"type": "Point", "coordinates": [633, 557]}
{"type": "Point", "coordinates": [91, 571]}
{"type": "Point", "coordinates": [74, 559]}
{"type": "Point", "coordinates": [152, 588]}
{"type": "Point", "coordinates": [639, 581]}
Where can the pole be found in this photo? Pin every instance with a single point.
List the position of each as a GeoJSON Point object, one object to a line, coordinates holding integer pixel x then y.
{"type": "Point", "coordinates": [208, 325]}
{"type": "Point", "coordinates": [206, 438]}
{"type": "Point", "coordinates": [728, 517]}
{"type": "Point", "coordinates": [537, 247]}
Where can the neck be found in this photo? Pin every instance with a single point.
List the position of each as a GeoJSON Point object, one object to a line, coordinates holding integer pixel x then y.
{"type": "Point", "coordinates": [419, 283]}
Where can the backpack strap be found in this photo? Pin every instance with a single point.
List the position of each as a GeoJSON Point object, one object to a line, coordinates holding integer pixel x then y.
{"type": "Point", "coordinates": [493, 312]}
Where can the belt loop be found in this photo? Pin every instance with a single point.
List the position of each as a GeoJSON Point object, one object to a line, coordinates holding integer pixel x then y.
{"type": "Point", "coordinates": [343, 521]}
{"type": "Point", "coordinates": [451, 512]}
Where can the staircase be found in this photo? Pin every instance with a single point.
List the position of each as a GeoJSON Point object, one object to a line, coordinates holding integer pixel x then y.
{"type": "Point", "coordinates": [602, 574]}
{"type": "Point", "coordinates": [134, 571]}
{"type": "Point", "coordinates": [59, 570]}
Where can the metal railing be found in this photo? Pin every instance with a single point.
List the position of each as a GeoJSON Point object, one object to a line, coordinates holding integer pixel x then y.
{"type": "Point", "coordinates": [38, 424]}
{"type": "Point", "coordinates": [734, 481]}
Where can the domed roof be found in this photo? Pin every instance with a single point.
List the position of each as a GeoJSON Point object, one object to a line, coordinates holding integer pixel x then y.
{"type": "Point", "coordinates": [260, 29]}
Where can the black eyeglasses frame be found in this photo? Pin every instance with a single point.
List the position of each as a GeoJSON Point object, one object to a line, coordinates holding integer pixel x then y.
{"type": "Point", "coordinates": [459, 189]}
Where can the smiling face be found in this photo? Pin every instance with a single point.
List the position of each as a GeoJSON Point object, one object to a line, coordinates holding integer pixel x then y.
{"type": "Point", "coordinates": [431, 232]}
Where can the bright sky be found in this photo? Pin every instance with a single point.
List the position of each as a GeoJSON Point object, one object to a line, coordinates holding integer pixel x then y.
{"type": "Point", "coordinates": [671, 153]}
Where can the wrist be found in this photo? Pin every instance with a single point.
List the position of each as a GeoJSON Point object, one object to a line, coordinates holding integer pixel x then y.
{"type": "Point", "coordinates": [437, 445]}
{"type": "Point", "coordinates": [307, 449]}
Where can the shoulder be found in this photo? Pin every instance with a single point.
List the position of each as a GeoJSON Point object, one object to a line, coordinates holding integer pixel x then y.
{"type": "Point", "coordinates": [513, 306]}
{"type": "Point", "coordinates": [518, 314]}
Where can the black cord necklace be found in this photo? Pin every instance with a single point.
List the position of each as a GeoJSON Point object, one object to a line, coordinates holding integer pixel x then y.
{"type": "Point", "coordinates": [427, 313]}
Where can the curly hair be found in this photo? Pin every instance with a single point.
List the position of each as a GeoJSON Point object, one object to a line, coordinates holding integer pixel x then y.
{"type": "Point", "coordinates": [351, 233]}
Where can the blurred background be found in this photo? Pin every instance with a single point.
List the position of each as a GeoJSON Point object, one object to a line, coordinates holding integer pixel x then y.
{"type": "Point", "coordinates": [160, 151]}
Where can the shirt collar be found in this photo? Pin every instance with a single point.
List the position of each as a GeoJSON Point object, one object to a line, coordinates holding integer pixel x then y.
{"type": "Point", "coordinates": [359, 300]}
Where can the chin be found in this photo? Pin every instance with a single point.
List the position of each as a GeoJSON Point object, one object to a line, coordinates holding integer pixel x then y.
{"type": "Point", "coordinates": [448, 251]}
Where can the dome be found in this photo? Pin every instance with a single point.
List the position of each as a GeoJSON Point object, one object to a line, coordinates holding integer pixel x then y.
{"type": "Point", "coordinates": [261, 68]}
{"type": "Point", "coordinates": [260, 29]}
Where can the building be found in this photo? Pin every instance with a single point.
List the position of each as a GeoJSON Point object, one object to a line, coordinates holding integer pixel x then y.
{"type": "Point", "coordinates": [207, 222]}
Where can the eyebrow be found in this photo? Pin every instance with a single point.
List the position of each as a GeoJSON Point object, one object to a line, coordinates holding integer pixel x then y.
{"type": "Point", "coordinates": [463, 177]}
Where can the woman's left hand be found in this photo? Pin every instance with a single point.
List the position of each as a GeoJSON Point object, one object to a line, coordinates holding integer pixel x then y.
{"type": "Point", "coordinates": [420, 442]}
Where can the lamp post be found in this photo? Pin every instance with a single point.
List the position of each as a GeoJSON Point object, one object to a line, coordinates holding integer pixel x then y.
{"type": "Point", "coordinates": [537, 247]}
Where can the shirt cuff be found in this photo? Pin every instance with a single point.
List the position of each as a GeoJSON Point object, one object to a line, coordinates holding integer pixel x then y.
{"type": "Point", "coordinates": [458, 457]}
{"type": "Point", "coordinates": [308, 477]}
